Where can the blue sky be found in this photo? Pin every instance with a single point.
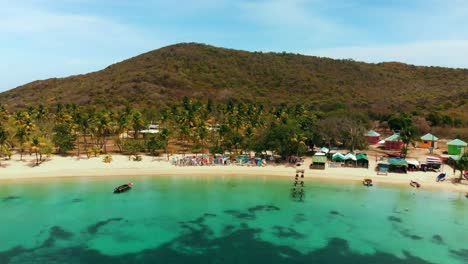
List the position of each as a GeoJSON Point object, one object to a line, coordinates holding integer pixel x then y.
{"type": "Point", "coordinates": [40, 39]}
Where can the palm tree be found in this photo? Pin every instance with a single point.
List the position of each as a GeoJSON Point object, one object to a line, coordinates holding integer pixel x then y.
{"type": "Point", "coordinates": [462, 164]}
{"type": "Point", "coordinates": [22, 136]}
{"type": "Point", "coordinates": [35, 143]}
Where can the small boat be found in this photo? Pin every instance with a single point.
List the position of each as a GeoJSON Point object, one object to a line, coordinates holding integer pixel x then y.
{"type": "Point", "coordinates": [123, 188]}
{"type": "Point", "coordinates": [441, 177]}
{"type": "Point", "coordinates": [415, 184]}
{"type": "Point", "coordinates": [367, 182]}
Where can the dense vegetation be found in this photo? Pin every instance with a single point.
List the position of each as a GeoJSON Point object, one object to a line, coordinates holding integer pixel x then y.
{"type": "Point", "coordinates": [190, 126]}
{"type": "Point", "coordinates": [163, 77]}
{"type": "Point", "coordinates": [209, 99]}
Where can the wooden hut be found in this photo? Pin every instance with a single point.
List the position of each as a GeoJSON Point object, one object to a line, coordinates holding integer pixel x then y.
{"type": "Point", "coordinates": [393, 142]}
{"type": "Point", "coordinates": [372, 137]}
{"type": "Point", "coordinates": [428, 141]}
{"type": "Point", "coordinates": [398, 165]}
{"type": "Point", "coordinates": [456, 147]}
{"type": "Point", "coordinates": [318, 161]}
{"type": "Point", "coordinates": [362, 160]}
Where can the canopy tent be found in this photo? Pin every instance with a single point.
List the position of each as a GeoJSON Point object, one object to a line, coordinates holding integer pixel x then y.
{"type": "Point", "coordinates": [324, 150]}
{"type": "Point", "coordinates": [398, 165]}
{"type": "Point", "coordinates": [362, 160]}
{"type": "Point", "coordinates": [338, 157]}
{"type": "Point", "coordinates": [413, 165]}
{"type": "Point", "coordinates": [382, 168]}
{"type": "Point", "coordinates": [412, 162]}
{"type": "Point", "coordinates": [360, 156]}
{"type": "Point", "coordinates": [350, 156]}
{"type": "Point", "coordinates": [397, 162]}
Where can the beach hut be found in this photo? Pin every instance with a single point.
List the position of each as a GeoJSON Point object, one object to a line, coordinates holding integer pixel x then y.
{"type": "Point", "coordinates": [338, 157]}
{"type": "Point", "coordinates": [456, 147]}
{"type": "Point", "coordinates": [393, 142]}
{"type": "Point", "coordinates": [324, 150]}
{"type": "Point", "coordinates": [428, 141]}
{"type": "Point", "coordinates": [362, 160]}
{"type": "Point", "coordinates": [350, 160]}
{"type": "Point", "coordinates": [382, 168]}
{"type": "Point", "coordinates": [397, 165]}
{"type": "Point", "coordinates": [372, 137]}
{"type": "Point", "coordinates": [318, 161]}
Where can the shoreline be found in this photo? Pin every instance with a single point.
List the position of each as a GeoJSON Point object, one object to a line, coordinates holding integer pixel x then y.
{"type": "Point", "coordinates": [71, 168]}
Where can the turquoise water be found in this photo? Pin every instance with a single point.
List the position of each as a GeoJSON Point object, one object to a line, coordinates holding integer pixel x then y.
{"type": "Point", "coordinates": [227, 220]}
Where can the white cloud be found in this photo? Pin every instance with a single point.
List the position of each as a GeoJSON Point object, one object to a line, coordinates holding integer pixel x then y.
{"type": "Point", "coordinates": [290, 14]}
{"type": "Point", "coordinates": [450, 53]}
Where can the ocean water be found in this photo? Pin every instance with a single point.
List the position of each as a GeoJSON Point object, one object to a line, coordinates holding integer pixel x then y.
{"type": "Point", "coordinates": [197, 219]}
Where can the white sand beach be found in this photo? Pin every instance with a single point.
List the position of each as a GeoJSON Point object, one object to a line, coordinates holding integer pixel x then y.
{"type": "Point", "coordinates": [58, 166]}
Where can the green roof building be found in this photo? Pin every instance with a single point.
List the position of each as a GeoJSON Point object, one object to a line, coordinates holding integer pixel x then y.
{"type": "Point", "coordinates": [456, 147]}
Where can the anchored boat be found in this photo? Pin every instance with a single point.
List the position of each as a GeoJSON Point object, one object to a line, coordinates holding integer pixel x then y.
{"type": "Point", "coordinates": [123, 188]}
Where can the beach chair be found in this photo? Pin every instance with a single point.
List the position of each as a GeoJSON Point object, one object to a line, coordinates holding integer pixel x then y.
{"type": "Point", "coordinates": [441, 177]}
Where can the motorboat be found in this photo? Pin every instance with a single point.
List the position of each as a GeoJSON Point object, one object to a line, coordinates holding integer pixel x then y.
{"type": "Point", "coordinates": [123, 188]}
{"type": "Point", "coordinates": [441, 177]}
{"type": "Point", "coordinates": [367, 182]}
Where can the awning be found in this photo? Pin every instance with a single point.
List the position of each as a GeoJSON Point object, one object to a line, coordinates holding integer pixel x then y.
{"type": "Point", "coordinates": [338, 157]}
{"type": "Point", "coordinates": [360, 156]}
{"type": "Point", "coordinates": [319, 159]}
{"type": "Point", "coordinates": [324, 150]}
{"type": "Point", "coordinates": [350, 156]}
{"type": "Point", "coordinates": [397, 162]}
{"type": "Point", "coordinates": [413, 162]}
{"type": "Point", "coordinates": [430, 159]}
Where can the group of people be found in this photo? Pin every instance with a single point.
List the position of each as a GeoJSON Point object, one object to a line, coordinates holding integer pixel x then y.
{"type": "Point", "coordinates": [299, 191]}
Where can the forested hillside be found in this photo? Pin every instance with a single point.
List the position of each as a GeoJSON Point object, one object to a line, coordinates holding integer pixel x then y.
{"type": "Point", "coordinates": [164, 76]}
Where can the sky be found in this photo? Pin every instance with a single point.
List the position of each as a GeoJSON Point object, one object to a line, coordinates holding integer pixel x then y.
{"type": "Point", "coordinates": [42, 39]}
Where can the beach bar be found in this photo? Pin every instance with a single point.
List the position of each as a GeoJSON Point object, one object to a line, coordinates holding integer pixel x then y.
{"type": "Point", "coordinates": [318, 161]}
{"type": "Point", "coordinates": [428, 141]}
{"type": "Point", "coordinates": [456, 147]}
{"type": "Point", "coordinates": [393, 142]}
{"type": "Point", "coordinates": [372, 137]}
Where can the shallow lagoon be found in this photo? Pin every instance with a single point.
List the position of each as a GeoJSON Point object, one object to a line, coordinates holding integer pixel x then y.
{"type": "Point", "coordinates": [227, 220]}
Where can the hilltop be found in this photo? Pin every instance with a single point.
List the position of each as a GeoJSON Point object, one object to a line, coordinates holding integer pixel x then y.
{"type": "Point", "coordinates": [162, 76]}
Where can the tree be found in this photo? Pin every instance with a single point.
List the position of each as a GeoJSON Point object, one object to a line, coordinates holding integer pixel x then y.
{"type": "Point", "coordinates": [154, 143]}
{"type": "Point", "coordinates": [462, 164]}
{"type": "Point", "coordinates": [64, 137]}
{"type": "Point", "coordinates": [284, 139]}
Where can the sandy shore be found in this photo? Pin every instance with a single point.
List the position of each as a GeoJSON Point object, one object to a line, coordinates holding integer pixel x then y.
{"type": "Point", "coordinates": [58, 166]}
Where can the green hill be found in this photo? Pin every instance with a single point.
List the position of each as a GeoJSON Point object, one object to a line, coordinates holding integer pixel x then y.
{"type": "Point", "coordinates": [165, 75]}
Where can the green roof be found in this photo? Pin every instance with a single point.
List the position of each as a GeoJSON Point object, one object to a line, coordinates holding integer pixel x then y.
{"type": "Point", "coordinates": [429, 137]}
{"type": "Point", "coordinates": [361, 156]}
{"type": "Point", "coordinates": [338, 157]}
{"type": "Point", "coordinates": [457, 142]}
{"type": "Point", "coordinates": [319, 159]}
{"type": "Point", "coordinates": [397, 162]}
{"type": "Point", "coordinates": [372, 133]}
{"type": "Point", "coordinates": [394, 137]}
